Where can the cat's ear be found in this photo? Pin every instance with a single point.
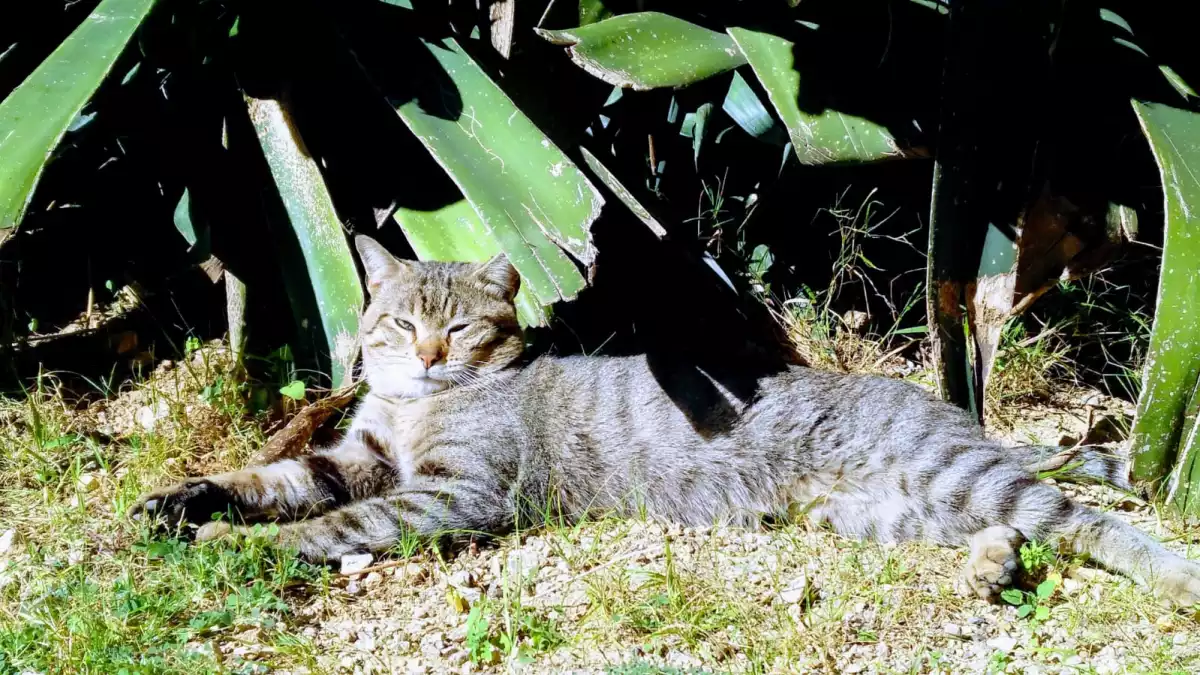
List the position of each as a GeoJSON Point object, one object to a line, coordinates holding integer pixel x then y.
{"type": "Point", "coordinates": [499, 276]}
{"type": "Point", "coordinates": [377, 262]}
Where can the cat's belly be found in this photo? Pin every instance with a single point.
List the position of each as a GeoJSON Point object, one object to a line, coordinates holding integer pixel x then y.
{"type": "Point", "coordinates": [868, 506]}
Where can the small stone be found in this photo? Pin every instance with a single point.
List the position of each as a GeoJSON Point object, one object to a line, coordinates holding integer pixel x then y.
{"type": "Point", "coordinates": [75, 556]}
{"type": "Point", "coordinates": [462, 579]}
{"type": "Point", "coordinates": [854, 668]}
{"type": "Point", "coordinates": [1070, 585]}
{"type": "Point", "coordinates": [415, 573]}
{"type": "Point", "coordinates": [794, 591]}
{"type": "Point", "coordinates": [952, 629]}
{"type": "Point", "coordinates": [1003, 643]}
{"type": "Point", "coordinates": [88, 482]}
{"type": "Point", "coordinates": [7, 540]}
{"type": "Point", "coordinates": [373, 579]}
{"type": "Point", "coordinates": [353, 588]}
{"type": "Point", "coordinates": [148, 417]}
{"type": "Point", "coordinates": [365, 643]}
{"type": "Point", "coordinates": [353, 564]}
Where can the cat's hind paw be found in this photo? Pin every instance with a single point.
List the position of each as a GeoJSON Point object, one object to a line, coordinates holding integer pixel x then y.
{"type": "Point", "coordinates": [1178, 586]}
{"type": "Point", "coordinates": [993, 562]}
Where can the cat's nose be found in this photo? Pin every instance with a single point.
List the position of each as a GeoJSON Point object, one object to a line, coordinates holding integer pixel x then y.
{"type": "Point", "coordinates": [428, 360]}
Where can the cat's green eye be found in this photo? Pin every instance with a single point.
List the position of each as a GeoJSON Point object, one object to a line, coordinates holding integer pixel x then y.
{"type": "Point", "coordinates": [402, 324]}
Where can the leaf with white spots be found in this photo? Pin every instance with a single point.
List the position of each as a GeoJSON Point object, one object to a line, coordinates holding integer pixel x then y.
{"type": "Point", "coordinates": [530, 198]}
{"type": "Point", "coordinates": [41, 110]}
{"type": "Point", "coordinates": [327, 258]}
{"type": "Point", "coordinates": [1164, 433]}
{"type": "Point", "coordinates": [822, 137]}
{"type": "Point", "coordinates": [647, 50]}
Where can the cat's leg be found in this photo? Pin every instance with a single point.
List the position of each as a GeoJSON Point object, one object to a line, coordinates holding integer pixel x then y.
{"type": "Point", "coordinates": [1039, 511]}
{"type": "Point", "coordinates": [294, 488]}
{"type": "Point", "coordinates": [431, 508]}
{"type": "Point", "coordinates": [993, 561]}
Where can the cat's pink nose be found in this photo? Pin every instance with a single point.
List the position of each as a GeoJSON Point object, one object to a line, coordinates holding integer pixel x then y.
{"type": "Point", "coordinates": [428, 360]}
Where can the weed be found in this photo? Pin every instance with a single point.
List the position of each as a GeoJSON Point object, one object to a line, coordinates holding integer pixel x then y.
{"type": "Point", "coordinates": [1032, 605]}
{"type": "Point", "coordinates": [1035, 555]}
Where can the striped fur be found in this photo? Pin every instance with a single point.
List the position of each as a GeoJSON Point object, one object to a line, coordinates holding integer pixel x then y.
{"type": "Point", "coordinates": [460, 436]}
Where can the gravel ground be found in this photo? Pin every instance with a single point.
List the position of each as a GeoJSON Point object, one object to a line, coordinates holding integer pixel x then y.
{"type": "Point", "coordinates": [631, 597]}
{"type": "Point", "coordinates": [640, 595]}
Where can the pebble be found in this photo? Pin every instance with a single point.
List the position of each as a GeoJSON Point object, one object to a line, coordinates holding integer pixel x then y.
{"type": "Point", "coordinates": [1003, 643]}
{"type": "Point", "coordinates": [373, 579]}
{"type": "Point", "coordinates": [952, 629]}
{"type": "Point", "coordinates": [353, 564]}
{"type": "Point", "coordinates": [7, 539]}
{"type": "Point", "coordinates": [794, 591]}
{"type": "Point", "coordinates": [88, 482]}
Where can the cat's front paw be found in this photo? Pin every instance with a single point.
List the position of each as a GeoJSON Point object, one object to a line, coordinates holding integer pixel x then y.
{"type": "Point", "coordinates": [193, 501]}
{"type": "Point", "coordinates": [1178, 586]}
{"type": "Point", "coordinates": [993, 562]}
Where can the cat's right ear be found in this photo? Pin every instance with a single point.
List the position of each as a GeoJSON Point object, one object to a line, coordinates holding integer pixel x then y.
{"type": "Point", "coordinates": [377, 262]}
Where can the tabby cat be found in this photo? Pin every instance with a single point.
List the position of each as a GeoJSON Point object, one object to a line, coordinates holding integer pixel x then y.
{"type": "Point", "coordinates": [462, 435]}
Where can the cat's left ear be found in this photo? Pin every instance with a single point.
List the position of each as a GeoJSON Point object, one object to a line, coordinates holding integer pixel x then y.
{"type": "Point", "coordinates": [377, 262]}
{"type": "Point", "coordinates": [499, 276]}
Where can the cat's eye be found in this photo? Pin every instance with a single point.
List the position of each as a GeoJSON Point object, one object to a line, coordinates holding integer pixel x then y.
{"type": "Point", "coordinates": [456, 328]}
{"type": "Point", "coordinates": [402, 324]}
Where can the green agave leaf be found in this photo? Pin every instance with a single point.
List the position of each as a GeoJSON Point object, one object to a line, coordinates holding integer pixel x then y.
{"type": "Point", "coordinates": [1173, 360]}
{"type": "Point", "coordinates": [611, 181]}
{"type": "Point", "coordinates": [591, 11]}
{"type": "Point", "coordinates": [455, 233]}
{"type": "Point", "coordinates": [647, 50]}
{"type": "Point", "coordinates": [744, 108]}
{"type": "Point", "coordinates": [310, 209]}
{"type": "Point", "coordinates": [36, 115]}
{"type": "Point", "coordinates": [822, 138]}
{"type": "Point", "coordinates": [529, 196]}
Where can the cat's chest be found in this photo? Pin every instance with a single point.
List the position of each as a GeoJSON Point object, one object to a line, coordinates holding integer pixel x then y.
{"type": "Point", "coordinates": [405, 423]}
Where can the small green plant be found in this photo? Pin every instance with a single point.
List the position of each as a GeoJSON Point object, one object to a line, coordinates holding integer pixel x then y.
{"type": "Point", "coordinates": [293, 390]}
{"type": "Point", "coordinates": [998, 662]}
{"type": "Point", "coordinates": [480, 645]}
{"type": "Point", "coordinates": [191, 346]}
{"type": "Point", "coordinates": [1032, 603]}
{"type": "Point", "coordinates": [1035, 555]}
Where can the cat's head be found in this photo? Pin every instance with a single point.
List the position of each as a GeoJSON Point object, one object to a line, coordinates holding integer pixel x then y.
{"type": "Point", "coordinates": [431, 326]}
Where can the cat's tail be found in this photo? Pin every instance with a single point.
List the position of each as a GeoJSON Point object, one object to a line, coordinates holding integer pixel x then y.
{"type": "Point", "coordinates": [1079, 464]}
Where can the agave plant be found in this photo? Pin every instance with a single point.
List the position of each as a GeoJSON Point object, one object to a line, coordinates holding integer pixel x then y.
{"type": "Point", "coordinates": [466, 124]}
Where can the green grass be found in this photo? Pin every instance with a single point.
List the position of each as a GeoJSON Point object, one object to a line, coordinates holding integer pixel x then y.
{"type": "Point", "coordinates": [154, 607]}
{"type": "Point", "coordinates": [85, 589]}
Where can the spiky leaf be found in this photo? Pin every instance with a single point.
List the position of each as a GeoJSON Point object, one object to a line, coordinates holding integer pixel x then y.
{"type": "Point", "coordinates": [1173, 360]}
{"type": "Point", "coordinates": [327, 257]}
{"type": "Point", "coordinates": [529, 196]}
{"type": "Point", "coordinates": [40, 111]}
{"type": "Point", "coordinates": [647, 50]}
{"type": "Point", "coordinates": [818, 138]}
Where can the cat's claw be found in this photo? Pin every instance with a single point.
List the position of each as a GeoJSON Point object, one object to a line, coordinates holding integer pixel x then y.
{"type": "Point", "coordinates": [993, 562]}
